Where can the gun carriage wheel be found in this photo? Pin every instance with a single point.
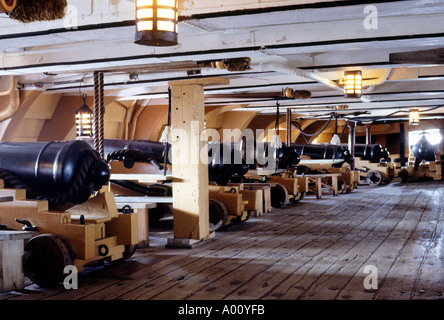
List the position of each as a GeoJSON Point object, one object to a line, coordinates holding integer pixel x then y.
{"type": "Point", "coordinates": [45, 259]}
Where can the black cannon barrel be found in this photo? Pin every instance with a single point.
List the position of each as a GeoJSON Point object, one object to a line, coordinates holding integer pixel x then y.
{"type": "Point", "coordinates": [226, 160]}
{"type": "Point", "coordinates": [58, 171]}
{"type": "Point", "coordinates": [153, 149]}
{"type": "Point", "coordinates": [371, 152]}
{"type": "Point", "coordinates": [424, 150]}
{"type": "Point", "coordinates": [324, 151]}
{"type": "Point", "coordinates": [257, 154]}
{"type": "Point", "coordinates": [287, 156]}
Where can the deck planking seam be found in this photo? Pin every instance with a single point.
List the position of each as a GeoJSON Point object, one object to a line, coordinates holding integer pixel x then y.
{"type": "Point", "coordinates": [293, 240]}
{"type": "Point", "coordinates": [301, 223]}
{"type": "Point", "coordinates": [276, 288]}
{"type": "Point", "coordinates": [263, 241]}
{"type": "Point", "coordinates": [305, 289]}
{"type": "Point", "coordinates": [392, 234]}
{"type": "Point", "coordinates": [208, 251]}
{"type": "Point", "coordinates": [267, 253]}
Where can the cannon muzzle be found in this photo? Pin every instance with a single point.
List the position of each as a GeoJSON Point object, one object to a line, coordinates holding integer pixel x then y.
{"type": "Point", "coordinates": [371, 152]}
{"type": "Point", "coordinates": [58, 171]}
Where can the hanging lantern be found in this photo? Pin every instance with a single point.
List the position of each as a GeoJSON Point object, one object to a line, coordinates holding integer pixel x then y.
{"type": "Point", "coordinates": [84, 120]}
{"type": "Point", "coordinates": [353, 84]}
{"type": "Point", "coordinates": [414, 117]}
{"type": "Point", "coordinates": [156, 22]}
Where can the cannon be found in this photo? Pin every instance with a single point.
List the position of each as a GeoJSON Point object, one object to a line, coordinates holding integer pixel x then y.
{"type": "Point", "coordinates": [374, 164]}
{"type": "Point", "coordinates": [59, 172]}
{"type": "Point", "coordinates": [423, 150]}
{"type": "Point", "coordinates": [226, 160]}
{"type": "Point", "coordinates": [135, 154]}
{"type": "Point", "coordinates": [231, 161]}
{"type": "Point", "coordinates": [228, 163]}
{"type": "Point", "coordinates": [371, 152]}
{"type": "Point", "coordinates": [324, 151]}
{"type": "Point", "coordinates": [327, 158]}
{"type": "Point", "coordinates": [425, 162]}
{"type": "Point", "coordinates": [54, 190]}
{"type": "Point", "coordinates": [274, 166]}
{"type": "Point", "coordinates": [222, 162]}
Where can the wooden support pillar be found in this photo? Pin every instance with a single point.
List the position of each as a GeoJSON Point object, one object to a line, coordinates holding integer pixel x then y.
{"type": "Point", "coordinates": [190, 174]}
{"type": "Point", "coordinates": [351, 142]}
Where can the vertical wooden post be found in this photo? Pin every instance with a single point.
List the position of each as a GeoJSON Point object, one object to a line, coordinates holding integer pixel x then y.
{"type": "Point", "coordinates": [190, 174]}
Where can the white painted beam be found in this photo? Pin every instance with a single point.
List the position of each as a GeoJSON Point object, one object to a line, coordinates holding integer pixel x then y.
{"type": "Point", "coordinates": [299, 38]}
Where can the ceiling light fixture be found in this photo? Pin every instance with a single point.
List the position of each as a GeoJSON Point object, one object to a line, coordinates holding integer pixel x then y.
{"type": "Point", "coordinates": [414, 117]}
{"type": "Point", "coordinates": [156, 22]}
{"type": "Point", "coordinates": [353, 84]}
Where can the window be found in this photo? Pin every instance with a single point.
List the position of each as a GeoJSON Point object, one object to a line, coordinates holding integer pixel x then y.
{"type": "Point", "coordinates": [432, 135]}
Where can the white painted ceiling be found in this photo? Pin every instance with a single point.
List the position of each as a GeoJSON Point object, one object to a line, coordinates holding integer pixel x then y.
{"type": "Point", "coordinates": [304, 45]}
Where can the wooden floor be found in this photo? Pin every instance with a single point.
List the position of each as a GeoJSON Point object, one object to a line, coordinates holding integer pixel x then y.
{"type": "Point", "coordinates": [315, 249]}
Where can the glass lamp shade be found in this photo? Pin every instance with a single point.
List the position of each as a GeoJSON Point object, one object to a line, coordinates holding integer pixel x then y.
{"type": "Point", "coordinates": [353, 84]}
{"type": "Point", "coordinates": [84, 122]}
{"type": "Point", "coordinates": [414, 117]}
{"type": "Point", "coordinates": [156, 22]}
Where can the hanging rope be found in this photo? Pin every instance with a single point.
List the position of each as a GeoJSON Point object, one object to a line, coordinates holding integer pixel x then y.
{"type": "Point", "coordinates": [102, 117]}
{"type": "Point", "coordinates": [99, 111]}
{"type": "Point", "coordinates": [343, 129]}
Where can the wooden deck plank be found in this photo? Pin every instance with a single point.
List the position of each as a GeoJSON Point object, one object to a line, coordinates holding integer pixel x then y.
{"type": "Point", "coordinates": [230, 267]}
{"type": "Point", "coordinates": [400, 282]}
{"type": "Point", "coordinates": [222, 261]}
{"type": "Point", "coordinates": [314, 249]}
{"type": "Point", "coordinates": [188, 286]}
{"type": "Point", "coordinates": [350, 265]}
{"type": "Point", "coordinates": [276, 275]}
{"type": "Point", "coordinates": [173, 268]}
{"type": "Point", "coordinates": [386, 255]}
{"type": "Point", "coordinates": [430, 282]}
{"type": "Point", "coordinates": [301, 278]}
{"type": "Point", "coordinates": [170, 275]}
{"type": "Point", "coordinates": [312, 233]}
